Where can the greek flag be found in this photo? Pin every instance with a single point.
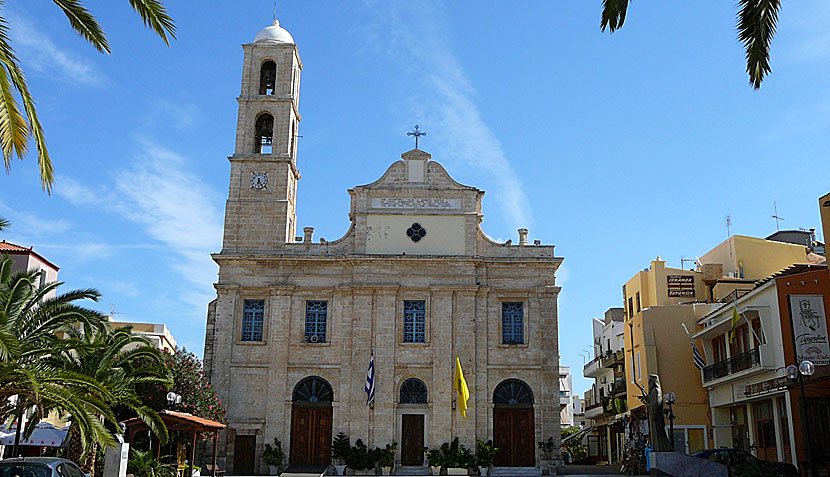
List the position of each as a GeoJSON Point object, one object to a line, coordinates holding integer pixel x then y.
{"type": "Point", "coordinates": [700, 363]}
{"type": "Point", "coordinates": [370, 379]}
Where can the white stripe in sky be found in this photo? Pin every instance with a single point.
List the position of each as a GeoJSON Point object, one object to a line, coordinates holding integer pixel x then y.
{"type": "Point", "coordinates": [417, 36]}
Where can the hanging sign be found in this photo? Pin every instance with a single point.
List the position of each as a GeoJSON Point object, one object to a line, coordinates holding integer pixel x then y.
{"type": "Point", "coordinates": [681, 285]}
{"type": "Point", "coordinates": [810, 329]}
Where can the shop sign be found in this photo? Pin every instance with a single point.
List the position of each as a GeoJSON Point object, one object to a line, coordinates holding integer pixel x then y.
{"type": "Point", "coordinates": [767, 386]}
{"type": "Point", "coordinates": [810, 329]}
{"type": "Point", "coordinates": [681, 285]}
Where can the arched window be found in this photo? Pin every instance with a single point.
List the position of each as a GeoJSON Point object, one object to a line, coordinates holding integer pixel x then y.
{"type": "Point", "coordinates": [267, 78]}
{"type": "Point", "coordinates": [413, 391]}
{"type": "Point", "coordinates": [264, 134]}
{"type": "Point", "coordinates": [512, 391]}
{"type": "Point", "coordinates": [313, 389]}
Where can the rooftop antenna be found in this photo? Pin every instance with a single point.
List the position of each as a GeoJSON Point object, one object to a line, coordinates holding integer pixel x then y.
{"type": "Point", "coordinates": [776, 217]}
{"type": "Point", "coordinates": [728, 225]}
{"type": "Point", "coordinates": [113, 312]}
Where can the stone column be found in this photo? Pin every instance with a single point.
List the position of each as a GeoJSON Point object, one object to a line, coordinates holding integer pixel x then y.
{"type": "Point", "coordinates": [341, 313]}
{"type": "Point", "coordinates": [359, 414]}
{"type": "Point", "coordinates": [465, 348]}
{"type": "Point", "coordinates": [544, 300]}
{"type": "Point", "coordinates": [278, 395]}
{"type": "Point", "coordinates": [443, 358]}
{"type": "Point", "coordinates": [482, 389]}
{"type": "Point", "coordinates": [227, 299]}
{"type": "Point", "coordinates": [385, 340]}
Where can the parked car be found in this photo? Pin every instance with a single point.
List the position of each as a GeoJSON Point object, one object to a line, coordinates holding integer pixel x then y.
{"type": "Point", "coordinates": [742, 463]}
{"type": "Point", "coordinates": [39, 467]}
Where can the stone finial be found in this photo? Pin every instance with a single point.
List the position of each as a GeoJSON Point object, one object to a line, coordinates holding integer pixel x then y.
{"type": "Point", "coordinates": [522, 236]}
{"type": "Point", "coordinates": [308, 234]}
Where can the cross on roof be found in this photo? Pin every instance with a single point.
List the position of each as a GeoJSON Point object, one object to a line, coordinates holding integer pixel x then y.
{"type": "Point", "coordinates": [776, 217]}
{"type": "Point", "coordinates": [417, 133]}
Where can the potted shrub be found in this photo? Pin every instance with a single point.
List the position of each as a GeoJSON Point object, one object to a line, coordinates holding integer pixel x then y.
{"type": "Point", "coordinates": [386, 458]}
{"type": "Point", "coordinates": [457, 459]}
{"type": "Point", "coordinates": [485, 453]}
{"type": "Point", "coordinates": [361, 459]}
{"type": "Point", "coordinates": [273, 456]}
{"type": "Point", "coordinates": [435, 459]}
{"type": "Point", "coordinates": [340, 447]}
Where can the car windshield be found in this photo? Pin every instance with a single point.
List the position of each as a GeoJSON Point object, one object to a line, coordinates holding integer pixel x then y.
{"type": "Point", "coordinates": [21, 469]}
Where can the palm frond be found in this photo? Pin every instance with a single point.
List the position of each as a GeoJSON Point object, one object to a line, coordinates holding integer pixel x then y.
{"type": "Point", "coordinates": [84, 23]}
{"type": "Point", "coordinates": [613, 14]}
{"type": "Point", "coordinates": [18, 79]}
{"type": "Point", "coordinates": [13, 129]}
{"type": "Point", "coordinates": [757, 20]}
{"type": "Point", "coordinates": [4, 224]}
{"type": "Point", "coordinates": [155, 17]}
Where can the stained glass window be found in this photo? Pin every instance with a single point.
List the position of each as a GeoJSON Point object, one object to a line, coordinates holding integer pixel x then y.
{"type": "Point", "coordinates": [413, 391]}
{"type": "Point", "coordinates": [315, 321]}
{"type": "Point", "coordinates": [414, 321]}
{"type": "Point", "coordinates": [512, 323]}
{"type": "Point", "coordinates": [313, 389]}
{"type": "Point", "coordinates": [252, 317]}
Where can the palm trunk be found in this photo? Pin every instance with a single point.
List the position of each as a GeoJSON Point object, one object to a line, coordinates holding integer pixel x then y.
{"type": "Point", "coordinates": [16, 449]}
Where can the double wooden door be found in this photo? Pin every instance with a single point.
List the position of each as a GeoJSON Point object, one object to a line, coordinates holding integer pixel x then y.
{"type": "Point", "coordinates": [513, 434]}
{"type": "Point", "coordinates": [244, 455]}
{"type": "Point", "coordinates": [412, 439]}
{"type": "Point", "coordinates": [311, 435]}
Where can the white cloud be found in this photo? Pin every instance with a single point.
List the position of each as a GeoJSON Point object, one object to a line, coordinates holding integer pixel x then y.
{"type": "Point", "coordinates": [446, 99]}
{"type": "Point", "coordinates": [37, 51]}
{"type": "Point", "coordinates": [173, 205]}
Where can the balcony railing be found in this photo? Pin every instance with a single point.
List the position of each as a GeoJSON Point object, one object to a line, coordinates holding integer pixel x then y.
{"type": "Point", "coordinates": [736, 363]}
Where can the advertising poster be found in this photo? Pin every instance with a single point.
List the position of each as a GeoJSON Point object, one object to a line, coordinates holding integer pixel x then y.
{"type": "Point", "coordinates": [810, 328]}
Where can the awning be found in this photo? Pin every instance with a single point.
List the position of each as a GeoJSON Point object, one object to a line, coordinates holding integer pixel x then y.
{"type": "Point", "coordinates": [576, 435]}
{"type": "Point", "coordinates": [44, 435]}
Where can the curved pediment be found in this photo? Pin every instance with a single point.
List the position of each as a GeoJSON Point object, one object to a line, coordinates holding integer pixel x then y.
{"type": "Point", "coordinates": [416, 171]}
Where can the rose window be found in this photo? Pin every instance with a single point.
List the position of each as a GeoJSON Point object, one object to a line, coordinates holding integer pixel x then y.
{"type": "Point", "coordinates": [416, 232]}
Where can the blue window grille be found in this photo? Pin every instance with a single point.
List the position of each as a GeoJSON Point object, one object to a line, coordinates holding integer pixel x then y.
{"type": "Point", "coordinates": [512, 323]}
{"type": "Point", "coordinates": [315, 321]}
{"type": "Point", "coordinates": [414, 321]}
{"type": "Point", "coordinates": [252, 317]}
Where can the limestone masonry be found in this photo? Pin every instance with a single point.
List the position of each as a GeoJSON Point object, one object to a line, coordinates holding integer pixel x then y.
{"type": "Point", "coordinates": [292, 327]}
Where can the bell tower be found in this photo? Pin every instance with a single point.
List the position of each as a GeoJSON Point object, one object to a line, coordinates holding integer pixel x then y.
{"type": "Point", "coordinates": [260, 213]}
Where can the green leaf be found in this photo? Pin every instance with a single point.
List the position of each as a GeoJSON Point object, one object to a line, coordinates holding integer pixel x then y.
{"type": "Point", "coordinates": [757, 21]}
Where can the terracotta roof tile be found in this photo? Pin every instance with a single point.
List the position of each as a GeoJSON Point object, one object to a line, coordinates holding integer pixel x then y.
{"type": "Point", "coordinates": [11, 247]}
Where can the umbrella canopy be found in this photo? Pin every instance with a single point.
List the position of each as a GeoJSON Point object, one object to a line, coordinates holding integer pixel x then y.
{"type": "Point", "coordinates": [45, 435]}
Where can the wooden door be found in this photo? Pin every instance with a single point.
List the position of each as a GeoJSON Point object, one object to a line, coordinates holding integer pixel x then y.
{"type": "Point", "coordinates": [412, 439]}
{"type": "Point", "coordinates": [513, 434]}
{"type": "Point", "coordinates": [244, 455]}
{"type": "Point", "coordinates": [311, 435]}
{"type": "Point", "coordinates": [765, 430]}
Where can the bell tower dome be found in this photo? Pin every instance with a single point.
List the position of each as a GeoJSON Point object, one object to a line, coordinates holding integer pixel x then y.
{"type": "Point", "coordinates": [260, 213]}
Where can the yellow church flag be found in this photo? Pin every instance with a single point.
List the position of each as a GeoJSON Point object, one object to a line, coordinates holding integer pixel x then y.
{"type": "Point", "coordinates": [735, 319]}
{"type": "Point", "coordinates": [461, 387]}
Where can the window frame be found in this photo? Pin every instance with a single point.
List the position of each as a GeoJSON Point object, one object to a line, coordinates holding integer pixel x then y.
{"type": "Point", "coordinates": [502, 304]}
{"type": "Point", "coordinates": [325, 315]}
{"type": "Point", "coordinates": [241, 334]}
{"type": "Point", "coordinates": [403, 315]}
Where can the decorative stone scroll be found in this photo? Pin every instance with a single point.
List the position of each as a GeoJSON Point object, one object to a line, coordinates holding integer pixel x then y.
{"type": "Point", "coordinates": [411, 203]}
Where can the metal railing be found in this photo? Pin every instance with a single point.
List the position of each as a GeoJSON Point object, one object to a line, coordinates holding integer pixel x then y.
{"type": "Point", "coordinates": [736, 363]}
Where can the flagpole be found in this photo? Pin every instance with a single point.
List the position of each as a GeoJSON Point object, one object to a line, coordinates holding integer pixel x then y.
{"type": "Point", "coordinates": [742, 314]}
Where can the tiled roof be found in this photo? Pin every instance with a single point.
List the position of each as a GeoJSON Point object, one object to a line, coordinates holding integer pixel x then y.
{"type": "Point", "coordinates": [11, 247]}
{"type": "Point", "coordinates": [815, 259]}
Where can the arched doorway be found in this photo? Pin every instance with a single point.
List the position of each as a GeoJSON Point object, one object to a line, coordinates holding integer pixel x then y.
{"type": "Point", "coordinates": [513, 429]}
{"type": "Point", "coordinates": [311, 422]}
{"type": "Point", "coordinates": [413, 395]}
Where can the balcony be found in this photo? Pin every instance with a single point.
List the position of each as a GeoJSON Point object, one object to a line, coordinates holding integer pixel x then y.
{"type": "Point", "coordinates": [593, 369]}
{"type": "Point", "coordinates": [594, 410]}
{"type": "Point", "coordinates": [735, 364]}
{"type": "Point", "coordinates": [618, 387]}
{"type": "Point", "coordinates": [609, 360]}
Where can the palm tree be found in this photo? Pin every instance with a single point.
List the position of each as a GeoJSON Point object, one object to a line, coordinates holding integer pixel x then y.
{"type": "Point", "coordinates": [119, 361]}
{"type": "Point", "coordinates": [32, 333]}
{"type": "Point", "coordinates": [3, 224]}
{"type": "Point", "coordinates": [757, 20]}
{"type": "Point", "coordinates": [15, 128]}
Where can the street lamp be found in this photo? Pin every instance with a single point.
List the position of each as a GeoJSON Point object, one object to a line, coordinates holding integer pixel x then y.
{"type": "Point", "coordinates": [798, 373]}
{"type": "Point", "coordinates": [173, 398]}
{"type": "Point", "coordinates": [669, 399]}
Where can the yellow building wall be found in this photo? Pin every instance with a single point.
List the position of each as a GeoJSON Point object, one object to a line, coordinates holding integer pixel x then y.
{"type": "Point", "coordinates": [760, 258]}
{"type": "Point", "coordinates": [653, 287]}
{"type": "Point", "coordinates": [665, 350]}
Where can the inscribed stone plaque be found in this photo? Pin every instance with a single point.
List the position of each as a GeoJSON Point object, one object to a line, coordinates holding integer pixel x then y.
{"type": "Point", "coordinates": [810, 329]}
{"type": "Point", "coordinates": [412, 203]}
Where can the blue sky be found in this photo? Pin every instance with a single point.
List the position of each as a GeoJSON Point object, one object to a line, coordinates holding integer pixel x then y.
{"type": "Point", "coordinates": [615, 148]}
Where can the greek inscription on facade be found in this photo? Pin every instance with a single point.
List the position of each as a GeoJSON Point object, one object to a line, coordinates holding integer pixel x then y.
{"type": "Point", "coordinates": [412, 203]}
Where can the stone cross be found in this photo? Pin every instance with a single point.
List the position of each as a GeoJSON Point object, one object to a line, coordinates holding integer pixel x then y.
{"type": "Point", "coordinates": [417, 133]}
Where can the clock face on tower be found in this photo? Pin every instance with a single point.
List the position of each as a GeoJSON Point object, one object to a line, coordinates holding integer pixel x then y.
{"type": "Point", "coordinates": [259, 180]}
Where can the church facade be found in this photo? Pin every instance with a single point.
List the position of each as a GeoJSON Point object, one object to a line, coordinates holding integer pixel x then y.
{"type": "Point", "coordinates": [414, 280]}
